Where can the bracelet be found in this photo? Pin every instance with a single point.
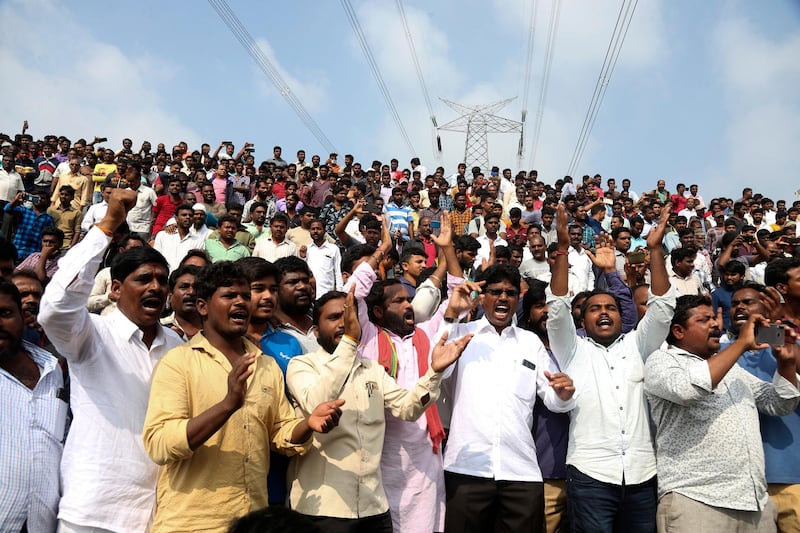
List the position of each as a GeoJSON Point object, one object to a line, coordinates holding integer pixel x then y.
{"type": "Point", "coordinates": [559, 252]}
{"type": "Point", "coordinates": [436, 278]}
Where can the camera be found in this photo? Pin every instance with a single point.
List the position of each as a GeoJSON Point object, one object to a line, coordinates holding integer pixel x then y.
{"type": "Point", "coordinates": [748, 238]}
{"type": "Point", "coordinates": [32, 198]}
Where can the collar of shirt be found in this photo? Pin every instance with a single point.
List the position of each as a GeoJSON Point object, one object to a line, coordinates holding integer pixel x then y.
{"type": "Point", "coordinates": [200, 343]}
{"type": "Point", "coordinates": [128, 330]}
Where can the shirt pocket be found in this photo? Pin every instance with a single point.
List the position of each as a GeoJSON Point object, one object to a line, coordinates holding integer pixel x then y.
{"type": "Point", "coordinates": [634, 371]}
{"type": "Point", "coordinates": [525, 380]}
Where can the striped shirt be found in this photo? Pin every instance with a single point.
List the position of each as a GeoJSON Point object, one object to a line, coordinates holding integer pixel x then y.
{"type": "Point", "coordinates": [399, 218]}
{"type": "Point", "coordinates": [31, 443]}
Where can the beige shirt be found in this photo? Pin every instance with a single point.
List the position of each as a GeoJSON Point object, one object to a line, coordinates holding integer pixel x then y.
{"type": "Point", "coordinates": [83, 189]}
{"type": "Point", "coordinates": [340, 476]}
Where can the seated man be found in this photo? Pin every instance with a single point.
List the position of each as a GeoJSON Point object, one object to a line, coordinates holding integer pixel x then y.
{"type": "Point", "coordinates": [45, 262]}
{"type": "Point", "coordinates": [353, 499]}
{"type": "Point", "coordinates": [216, 407]}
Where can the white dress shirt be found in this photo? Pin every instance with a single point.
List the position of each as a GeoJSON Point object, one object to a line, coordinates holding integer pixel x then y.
{"type": "Point", "coordinates": [325, 263]}
{"type": "Point", "coordinates": [141, 214]}
{"type": "Point", "coordinates": [492, 389]}
{"type": "Point", "coordinates": [109, 482]}
{"type": "Point", "coordinates": [174, 247]}
{"type": "Point", "coordinates": [31, 444]}
{"type": "Point", "coordinates": [269, 250]}
{"type": "Point", "coordinates": [10, 185]}
{"type": "Point", "coordinates": [609, 433]}
{"type": "Point", "coordinates": [581, 275]}
{"type": "Point", "coordinates": [486, 249]}
{"type": "Point", "coordinates": [93, 215]}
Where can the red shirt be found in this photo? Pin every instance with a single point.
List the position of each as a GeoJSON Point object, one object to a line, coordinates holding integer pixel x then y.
{"type": "Point", "coordinates": [164, 210]}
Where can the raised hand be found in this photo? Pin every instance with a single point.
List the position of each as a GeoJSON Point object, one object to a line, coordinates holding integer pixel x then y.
{"type": "Point", "coordinates": [444, 355]}
{"type": "Point", "coordinates": [237, 380]}
{"type": "Point", "coordinates": [656, 235]}
{"type": "Point", "coordinates": [462, 298]}
{"type": "Point", "coordinates": [562, 229]}
{"type": "Point", "coordinates": [352, 328]}
{"type": "Point", "coordinates": [325, 416]}
{"type": "Point", "coordinates": [445, 237]}
{"type": "Point", "coordinates": [604, 257]}
{"type": "Point", "coordinates": [561, 383]}
{"type": "Point", "coordinates": [790, 351]}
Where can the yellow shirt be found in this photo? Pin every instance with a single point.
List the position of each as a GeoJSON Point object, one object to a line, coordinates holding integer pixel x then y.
{"type": "Point", "coordinates": [82, 186]}
{"type": "Point", "coordinates": [226, 477]}
{"type": "Point", "coordinates": [101, 171]}
{"type": "Point", "coordinates": [341, 475]}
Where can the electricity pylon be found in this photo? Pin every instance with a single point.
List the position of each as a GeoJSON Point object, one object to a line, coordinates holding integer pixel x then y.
{"type": "Point", "coordinates": [477, 121]}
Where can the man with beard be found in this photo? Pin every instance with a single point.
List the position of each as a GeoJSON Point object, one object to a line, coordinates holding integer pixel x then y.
{"type": "Point", "coordinates": [184, 320]}
{"type": "Point", "coordinates": [263, 195]}
{"type": "Point", "coordinates": [225, 247]}
{"type": "Point", "coordinates": [295, 298]}
{"type": "Point", "coordinates": [216, 408]}
{"type": "Point", "coordinates": [277, 246]}
{"type": "Point", "coordinates": [779, 435]}
{"type": "Point", "coordinates": [108, 481]}
{"type": "Point", "coordinates": [550, 429]}
{"type": "Point", "coordinates": [34, 414]}
{"type": "Point", "coordinates": [611, 465]}
{"type": "Point", "coordinates": [339, 482]}
{"type": "Point", "coordinates": [258, 218]}
{"type": "Point", "coordinates": [411, 463]}
{"type": "Point", "coordinates": [493, 479]}
{"type": "Point", "coordinates": [709, 452]}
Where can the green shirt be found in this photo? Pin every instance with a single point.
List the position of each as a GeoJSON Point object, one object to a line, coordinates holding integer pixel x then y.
{"type": "Point", "coordinates": [217, 251]}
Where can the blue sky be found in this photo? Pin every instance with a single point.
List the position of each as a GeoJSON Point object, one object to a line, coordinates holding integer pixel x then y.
{"type": "Point", "coordinates": [704, 92]}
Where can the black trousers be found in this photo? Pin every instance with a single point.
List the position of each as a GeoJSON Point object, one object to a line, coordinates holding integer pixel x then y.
{"type": "Point", "coordinates": [481, 505]}
{"type": "Point", "coordinates": [381, 523]}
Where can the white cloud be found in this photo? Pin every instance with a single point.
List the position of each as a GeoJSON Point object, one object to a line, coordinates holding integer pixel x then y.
{"type": "Point", "coordinates": [104, 92]}
{"type": "Point", "coordinates": [760, 75]}
{"type": "Point", "coordinates": [311, 93]}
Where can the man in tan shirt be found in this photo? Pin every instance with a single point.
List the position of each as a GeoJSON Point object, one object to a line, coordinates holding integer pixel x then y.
{"type": "Point", "coordinates": [78, 180]}
{"type": "Point", "coordinates": [67, 218]}
{"type": "Point", "coordinates": [338, 481]}
{"type": "Point", "coordinates": [217, 405]}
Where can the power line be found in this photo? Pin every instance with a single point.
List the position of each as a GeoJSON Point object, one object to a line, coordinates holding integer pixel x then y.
{"type": "Point", "coordinates": [246, 40]}
{"type": "Point", "coordinates": [526, 84]}
{"type": "Point", "coordinates": [624, 17]}
{"type": "Point", "coordinates": [376, 73]}
{"type": "Point", "coordinates": [548, 54]}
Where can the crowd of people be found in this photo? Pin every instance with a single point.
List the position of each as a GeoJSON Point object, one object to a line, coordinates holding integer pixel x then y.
{"type": "Point", "coordinates": [190, 341]}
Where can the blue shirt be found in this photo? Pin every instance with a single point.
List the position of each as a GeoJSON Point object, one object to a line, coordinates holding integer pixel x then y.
{"type": "Point", "coordinates": [780, 434]}
{"type": "Point", "coordinates": [721, 297]}
{"type": "Point", "coordinates": [28, 238]}
{"type": "Point", "coordinates": [282, 347]}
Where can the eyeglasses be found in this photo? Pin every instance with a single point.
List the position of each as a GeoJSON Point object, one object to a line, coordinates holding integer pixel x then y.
{"type": "Point", "coordinates": [511, 293]}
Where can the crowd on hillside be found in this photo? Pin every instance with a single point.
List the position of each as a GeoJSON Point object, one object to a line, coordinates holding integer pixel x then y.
{"type": "Point", "coordinates": [194, 341]}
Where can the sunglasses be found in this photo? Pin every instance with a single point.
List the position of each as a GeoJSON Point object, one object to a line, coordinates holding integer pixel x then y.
{"type": "Point", "coordinates": [511, 293]}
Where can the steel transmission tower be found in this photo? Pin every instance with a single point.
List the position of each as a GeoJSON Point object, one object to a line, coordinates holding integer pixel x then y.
{"type": "Point", "coordinates": [477, 121]}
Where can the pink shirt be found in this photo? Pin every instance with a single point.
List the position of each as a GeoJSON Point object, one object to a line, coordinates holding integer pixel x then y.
{"type": "Point", "coordinates": [220, 184]}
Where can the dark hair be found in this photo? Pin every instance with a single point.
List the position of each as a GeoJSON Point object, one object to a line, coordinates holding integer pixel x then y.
{"type": "Point", "coordinates": [467, 243]}
{"type": "Point", "coordinates": [515, 212]}
{"type": "Point", "coordinates": [280, 217]}
{"type": "Point", "coordinates": [276, 519]}
{"type": "Point", "coordinates": [182, 271]}
{"type": "Point", "coordinates": [67, 189]}
{"type": "Point", "coordinates": [490, 215]}
{"type": "Point", "coordinates": [53, 231]}
{"type": "Point", "coordinates": [184, 207]}
{"type": "Point", "coordinates": [679, 254]}
{"type": "Point", "coordinates": [353, 254]}
{"type": "Point", "coordinates": [502, 252]}
{"type": "Point", "coordinates": [498, 273]}
{"type": "Point", "coordinates": [8, 288]}
{"type": "Point", "coordinates": [533, 296]}
{"type": "Point", "coordinates": [734, 267]}
{"type": "Point", "coordinates": [125, 264]}
{"type": "Point", "coordinates": [616, 231]}
{"type": "Point", "coordinates": [377, 295]}
{"type": "Point", "coordinates": [216, 275]}
{"type": "Point", "coordinates": [196, 252]}
{"type": "Point", "coordinates": [777, 270]}
{"type": "Point", "coordinates": [292, 263]}
{"type": "Point", "coordinates": [258, 268]}
{"type": "Point", "coordinates": [226, 218]}
{"type": "Point", "coordinates": [303, 210]}
{"type": "Point", "coordinates": [257, 204]}
{"type": "Point", "coordinates": [411, 250]}
{"type": "Point", "coordinates": [683, 307]}
{"type": "Point", "coordinates": [321, 301]}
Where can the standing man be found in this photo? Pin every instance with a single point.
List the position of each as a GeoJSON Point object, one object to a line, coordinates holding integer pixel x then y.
{"type": "Point", "coordinates": [34, 414]}
{"type": "Point", "coordinates": [491, 472]}
{"type": "Point", "coordinates": [216, 407]}
{"type": "Point", "coordinates": [175, 246]}
{"type": "Point", "coordinates": [30, 223]}
{"type": "Point", "coordinates": [66, 217]}
{"type": "Point", "coordinates": [225, 247]}
{"type": "Point", "coordinates": [352, 498]}
{"type": "Point", "coordinates": [295, 299]}
{"type": "Point", "coordinates": [710, 457]}
{"type": "Point", "coordinates": [277, 245]}
{"type": "Point", "coordinates": [611, 467]}
{"type": "Point", "coordinates": [324, 259]}
{"type": "Point", "coordinates": [399, 215]}
{"type": "Point", "coordinates": [140, 217]}
{"type": "Point", "coordinates": [108, 481]}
